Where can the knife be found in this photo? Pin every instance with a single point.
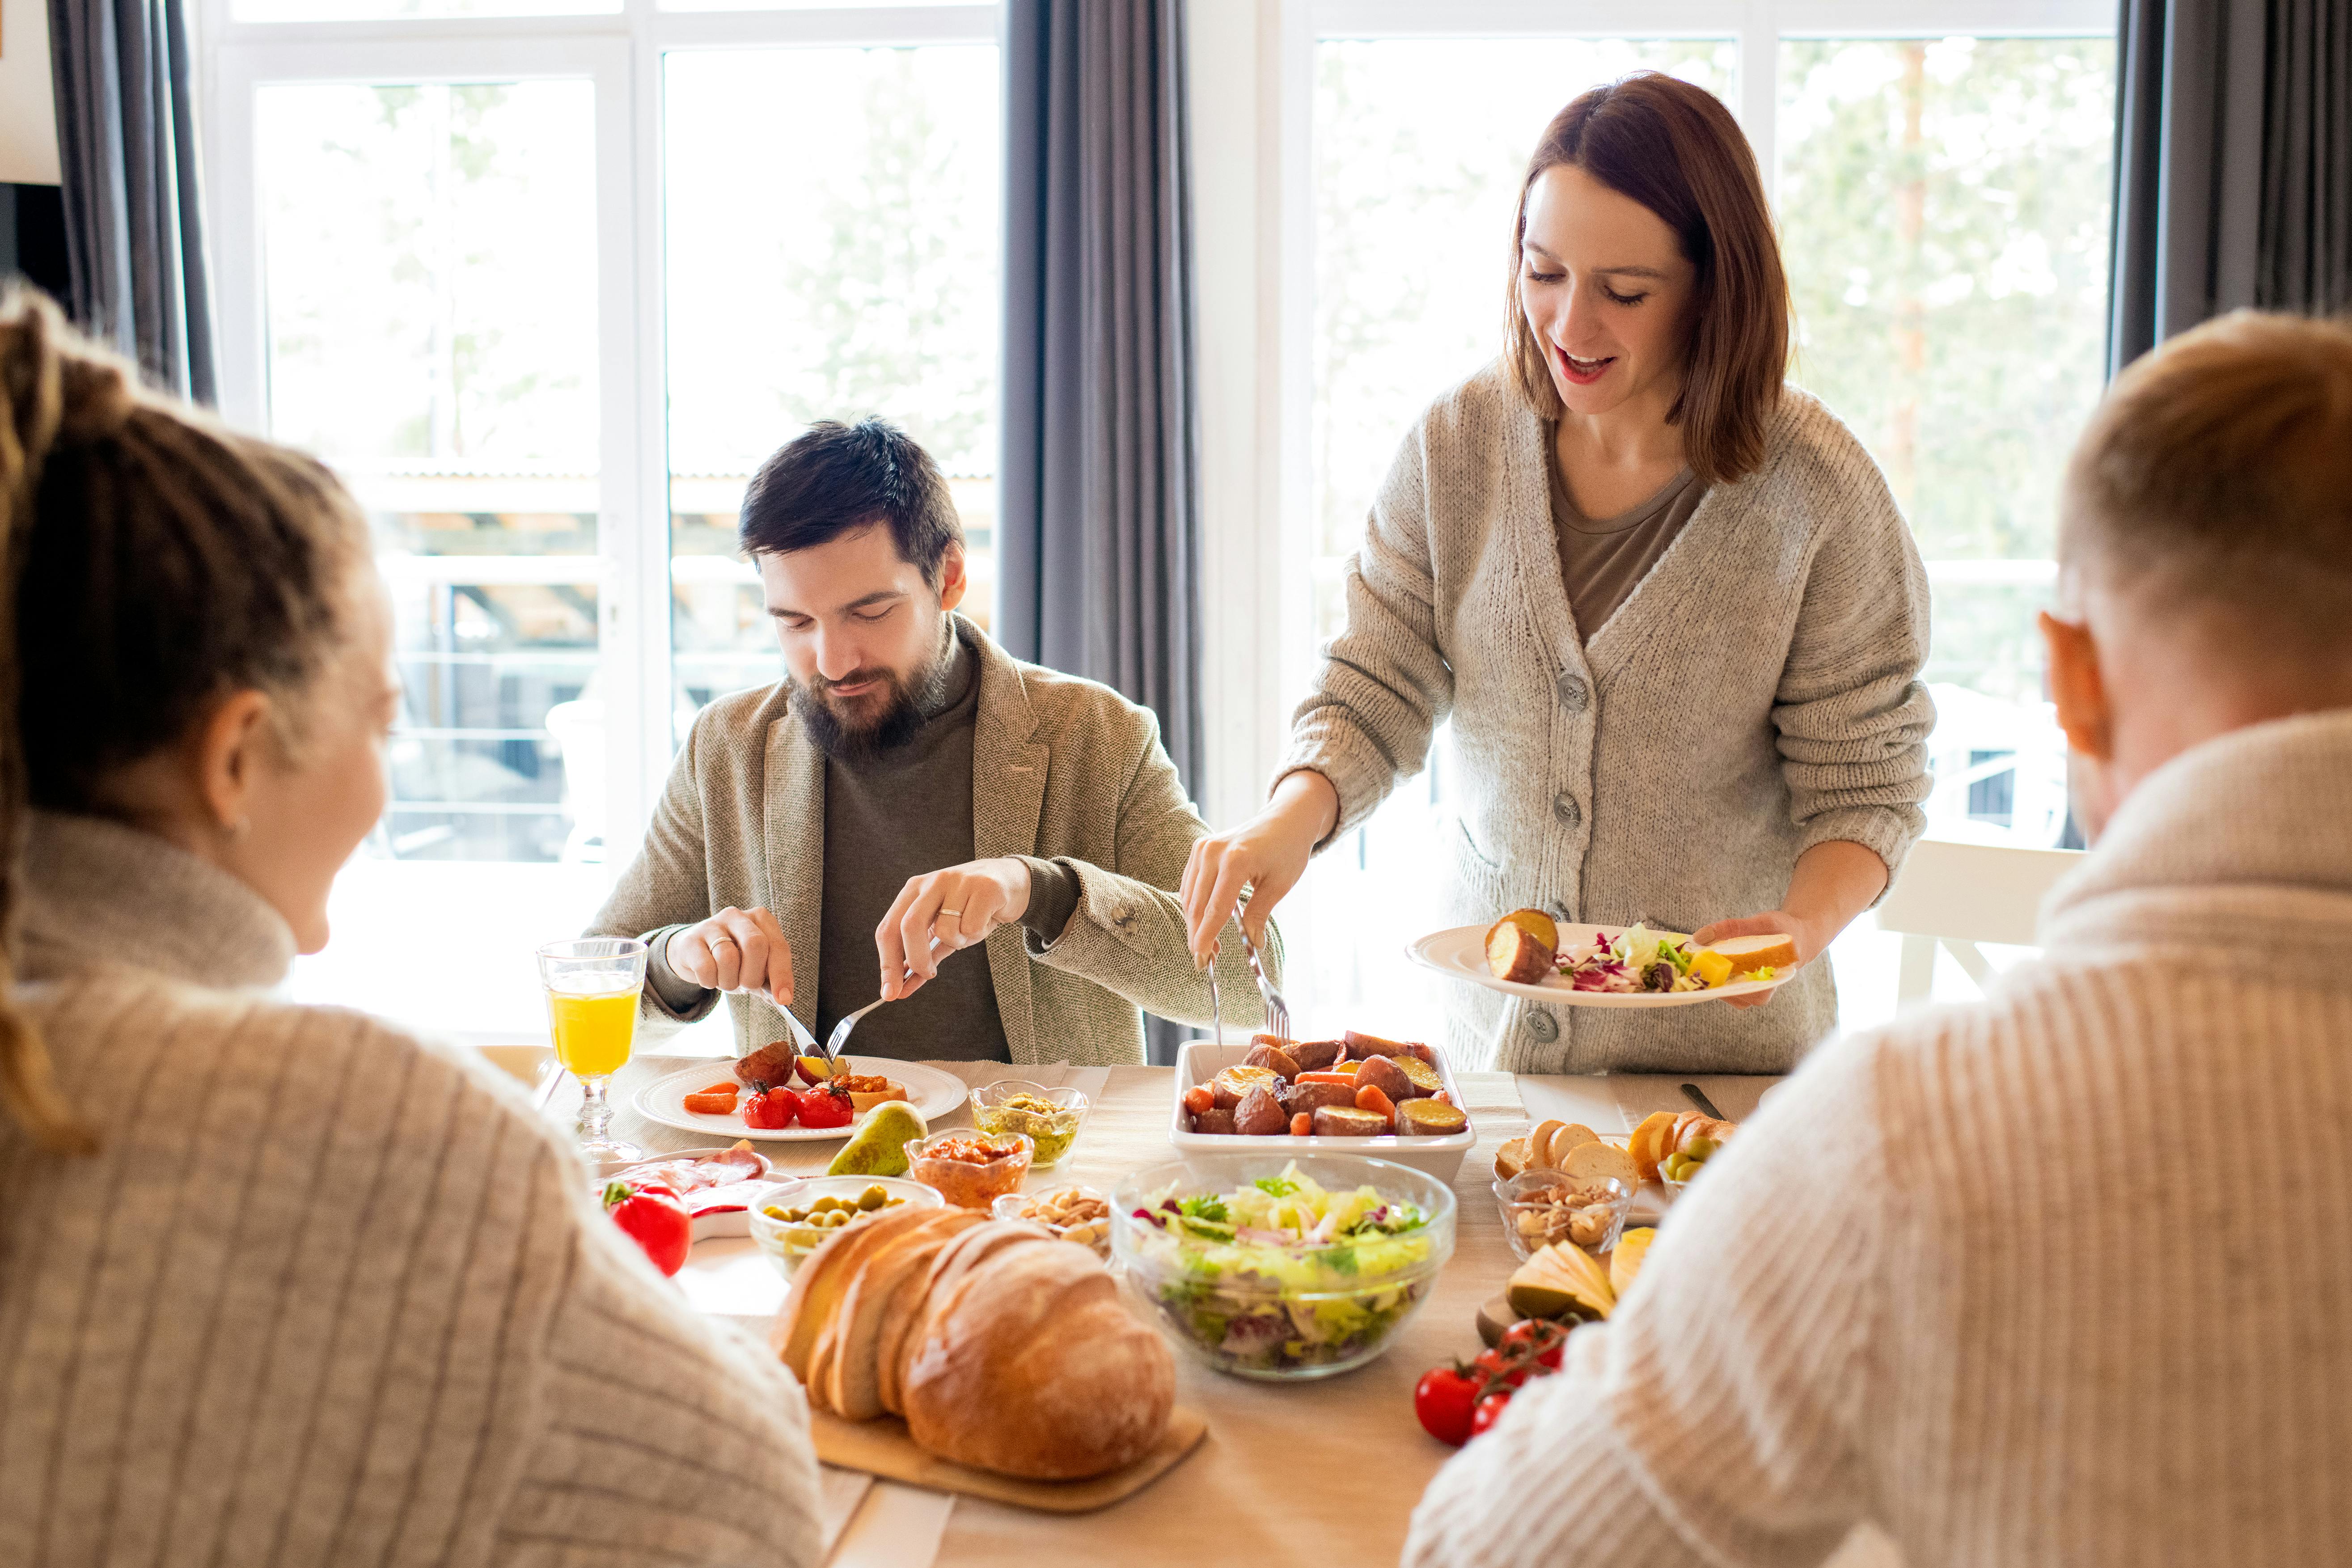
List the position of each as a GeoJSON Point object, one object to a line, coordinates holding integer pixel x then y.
{"type": "Point", "coordinates": [1705, 1106]}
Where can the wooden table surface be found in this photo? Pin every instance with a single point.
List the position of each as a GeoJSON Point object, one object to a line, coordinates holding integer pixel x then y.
{"type": "Point", "coordinates": [1326, 1471]}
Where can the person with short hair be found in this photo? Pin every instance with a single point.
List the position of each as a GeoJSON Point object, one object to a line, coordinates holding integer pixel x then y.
{"type": "Point", "coordinates": [2061, 1277]}
{"type": "Point", "coordinates": [907, 791]}
{"type": "Point", "coordinates": [1665, 599]}
{"type": "Point", "coordinates": [282, 1284]}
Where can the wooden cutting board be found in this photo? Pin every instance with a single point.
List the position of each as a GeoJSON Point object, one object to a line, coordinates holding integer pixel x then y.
{"type": "Point", "coordinates": [881, 1447]}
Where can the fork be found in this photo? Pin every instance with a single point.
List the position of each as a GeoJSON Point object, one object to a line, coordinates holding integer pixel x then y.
{"type": "Point", "coordinates": [1278, 1011]}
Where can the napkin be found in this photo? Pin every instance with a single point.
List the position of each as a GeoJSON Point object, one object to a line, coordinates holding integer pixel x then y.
{"type": "Point", "coordinates": [1638, 1095]}
{"type": "Point", "coordinates": [1589, 1100]}
{"type": "Point", "coordinates": [838, 1493]}
{"type": "Point", "coordinates": [899, 1527]}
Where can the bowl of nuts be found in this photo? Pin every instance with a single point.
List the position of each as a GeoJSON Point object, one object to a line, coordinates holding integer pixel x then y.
{"type": "Point", "coordinates": [1074, 1213]}
{"type": "Point", "coordinates": [1540, 1207]}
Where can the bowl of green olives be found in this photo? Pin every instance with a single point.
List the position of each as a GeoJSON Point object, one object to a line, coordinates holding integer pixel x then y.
{"type": "Point", "coordinates": [1679, 1169]}
{"type": "Point", "coordinates": [792, 1222]}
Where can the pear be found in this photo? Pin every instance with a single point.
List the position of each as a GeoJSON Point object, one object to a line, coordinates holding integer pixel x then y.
{"type": "Point", "coordinates": [879, 1147]}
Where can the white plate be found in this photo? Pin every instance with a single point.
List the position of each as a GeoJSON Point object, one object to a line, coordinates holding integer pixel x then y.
{"type": "Point", "coordinates": [933, 1092]}
{"type": "Point", "coordinates": [1460, 953]}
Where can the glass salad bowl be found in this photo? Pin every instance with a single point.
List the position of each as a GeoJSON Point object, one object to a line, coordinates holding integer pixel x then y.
{"type": "Point", "coordinates": [1281, 1268]}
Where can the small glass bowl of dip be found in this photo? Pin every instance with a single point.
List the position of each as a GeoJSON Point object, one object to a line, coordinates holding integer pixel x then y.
{"type": "Point", "coordinates": [970, 1169]}
{"type": "Point", "coordinates": [1048, 1118]}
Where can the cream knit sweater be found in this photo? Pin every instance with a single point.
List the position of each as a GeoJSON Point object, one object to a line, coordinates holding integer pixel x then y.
{"type": "Point", "coordinates": [2063, 1277]}
{"type": "Point", "coordinates": [1757, 695]}
{"type": "Point", "coordinates": [331, 1294]}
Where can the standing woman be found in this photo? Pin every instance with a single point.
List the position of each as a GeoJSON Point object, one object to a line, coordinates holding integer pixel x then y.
{"type": "Point", "coordinates": [1667, 600]}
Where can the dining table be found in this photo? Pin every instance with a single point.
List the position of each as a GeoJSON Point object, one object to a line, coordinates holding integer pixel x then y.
{"type": "Point", "coordinates": [1325, 1470]}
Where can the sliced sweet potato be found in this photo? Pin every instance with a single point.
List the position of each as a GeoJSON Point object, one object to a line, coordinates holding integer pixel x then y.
{"type": "Point", "coordinates": [1363, 1048]}
{"type": "Point", "coordinates": [1346, 1121]}
{"type": "Point", "coordinates": [1428, 1119]}
{"type": "Point", "coordinates": [1265, 1055]}
{"type": "Point", "coordinates": [1383, 1074]}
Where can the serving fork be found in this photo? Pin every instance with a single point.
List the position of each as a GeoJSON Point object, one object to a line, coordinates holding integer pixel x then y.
{"type": "Point", "coordinates": [1278, 1011]}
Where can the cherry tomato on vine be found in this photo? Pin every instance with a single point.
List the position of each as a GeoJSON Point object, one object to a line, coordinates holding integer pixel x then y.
{"type": "Point", "coordinates": [1539, 1338]}
{"type": "Point", "coordinates": [1443, 1399]}
{"type": "Point", "coordinates": [1490, 1411]}
{"type": "Point", "coordinates": [1502, 1369]}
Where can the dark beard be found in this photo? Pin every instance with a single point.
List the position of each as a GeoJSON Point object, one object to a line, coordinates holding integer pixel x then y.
{"type": "Point", "coordinates": [908, 703]}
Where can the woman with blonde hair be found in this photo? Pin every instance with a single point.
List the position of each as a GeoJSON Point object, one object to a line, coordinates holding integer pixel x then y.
{"type": "Point", "coordinates": [1667, 601]}
{"type": "Point", "coordinates": [280, 1283]}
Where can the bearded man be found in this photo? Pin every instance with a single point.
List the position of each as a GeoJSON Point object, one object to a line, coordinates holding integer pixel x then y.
{"type": "Point", "coordinates": [907, 791]}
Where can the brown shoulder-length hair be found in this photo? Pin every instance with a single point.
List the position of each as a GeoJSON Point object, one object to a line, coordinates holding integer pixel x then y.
{"type": "Point", "coordinates": [1676, 149]}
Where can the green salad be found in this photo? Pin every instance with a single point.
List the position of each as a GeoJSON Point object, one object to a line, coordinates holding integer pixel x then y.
{"type": "Point", "coordinates": [1282, 1274]}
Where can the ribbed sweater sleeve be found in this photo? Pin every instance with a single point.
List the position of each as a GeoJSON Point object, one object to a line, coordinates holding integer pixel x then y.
{"type": "Point", "coordinates": [1851, 715]}
{"type": "Point", "coordinates": [1384, 685]}
{"type": "Point", "coordinates": [665, 1436]}
{"type": "Point", "coordinates": [665, 886]}
{"type": "Point", "coordinates": [1721, 1412]}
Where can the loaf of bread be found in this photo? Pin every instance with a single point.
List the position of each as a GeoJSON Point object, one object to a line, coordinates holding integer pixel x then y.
{"type": "Point", "coordinates": [1004, 1347]}
{"type": "Point", "coordinates": [1032, 1366]}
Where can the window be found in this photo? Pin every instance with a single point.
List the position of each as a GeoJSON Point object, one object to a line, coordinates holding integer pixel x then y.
{"type": "Point", "coordinates": [544, 295]}
{"type": "Point", "coordinates": [1943, 202]}
{"type": "Point", "coordinates": [863, 279]}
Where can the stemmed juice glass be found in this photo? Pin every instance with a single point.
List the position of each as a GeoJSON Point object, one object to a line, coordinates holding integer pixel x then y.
{"type": "Point", "coordinates": [592, 985]}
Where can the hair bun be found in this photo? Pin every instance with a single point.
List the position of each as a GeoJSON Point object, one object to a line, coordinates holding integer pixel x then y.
{"type": "Point", "coordinates": [96, 397]}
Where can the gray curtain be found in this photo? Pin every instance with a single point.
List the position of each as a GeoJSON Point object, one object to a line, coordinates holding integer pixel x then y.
{"type": "Point", "coordinates": [2233, 163]}
{"type": "Point", "coordinates": [1099, 542]}
{"type": "Point", "coordinates": [127, 140]}
{"type": "Point", "coordinates": [1098, 527]}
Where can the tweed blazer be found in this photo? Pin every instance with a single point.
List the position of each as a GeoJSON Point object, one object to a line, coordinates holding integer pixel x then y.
{"type": "Point", "coordinates": [1757, 694]}
{"type": "Point", "coordinates": [1062, 768]}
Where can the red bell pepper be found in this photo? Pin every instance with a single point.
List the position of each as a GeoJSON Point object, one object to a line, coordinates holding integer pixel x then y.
{"type": "Point", "coordinates": [654, 1219]}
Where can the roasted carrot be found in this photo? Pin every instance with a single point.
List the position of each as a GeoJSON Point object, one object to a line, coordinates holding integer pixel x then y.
{"type": "Point", "coordinates": [1339, 1078]}
{"type": "Point", "coordinates": [1302, 1125]}
{"type": "Point", "coordinates": [1199, 1097]}
{"type": "Point", "coordinates": [1371, 1099]}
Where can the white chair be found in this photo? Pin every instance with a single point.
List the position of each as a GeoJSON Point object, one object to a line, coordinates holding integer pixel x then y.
{"type": "Point", "coordinates": [1957, 895]}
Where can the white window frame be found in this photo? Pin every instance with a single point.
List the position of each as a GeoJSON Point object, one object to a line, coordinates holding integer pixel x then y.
{"type": "Point", "coordinates": [1253, 87]}
{"type": "Point", "coordinates": [620, 53]}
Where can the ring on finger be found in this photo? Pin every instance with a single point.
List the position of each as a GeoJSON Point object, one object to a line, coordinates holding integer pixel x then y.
{"type": "Point", "coordinates": [949, 915]}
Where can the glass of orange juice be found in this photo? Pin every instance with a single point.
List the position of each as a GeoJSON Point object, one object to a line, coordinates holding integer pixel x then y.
{"type": "Point", "coordinates": [592, 985]}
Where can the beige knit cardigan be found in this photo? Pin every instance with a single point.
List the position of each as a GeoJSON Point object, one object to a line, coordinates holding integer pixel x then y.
{"type": "Point", "coordinates": [2063, 1277]}
{"type": "Point", "coordinates": [1757, 695]}
{"type": "Point", "coordinates": [1062, 768]}
{"type": "Point", "coordinates": [331, 1294]}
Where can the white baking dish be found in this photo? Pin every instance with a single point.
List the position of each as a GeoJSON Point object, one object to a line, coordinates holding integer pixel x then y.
{"type": "Point", "coordinates": [1198, 1062]}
